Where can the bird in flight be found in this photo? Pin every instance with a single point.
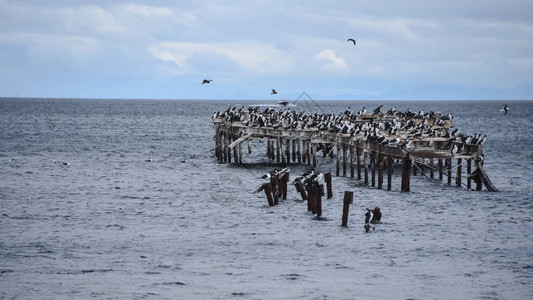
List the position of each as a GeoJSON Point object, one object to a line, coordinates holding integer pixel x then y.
{"type": "Point", "coordinates": [207, 81]}
{"type": "Point", "coordinates": [505, 109]}
{"type": "Point", "coordinates": [273, 92]}
{"type": "Point", "coordinates": [352, 40]}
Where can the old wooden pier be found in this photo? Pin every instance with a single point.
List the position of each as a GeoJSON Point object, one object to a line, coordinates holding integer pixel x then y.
{"type": "Point", "coordinates": [358, 155]}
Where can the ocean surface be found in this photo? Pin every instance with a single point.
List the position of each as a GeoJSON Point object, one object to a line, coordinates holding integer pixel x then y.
{"type": "Point", "coordinates": [124, 199]}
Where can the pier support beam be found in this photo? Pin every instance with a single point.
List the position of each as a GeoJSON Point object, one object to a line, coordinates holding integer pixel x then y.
{"type": "Point", "coordinates": [314, 147]}
{"type": "Point", "coordinates": [431, 169]}
{"type": "Point", "coordinates": [380, 171]}
{"type": "Point", "coordinates": [459, 171]}
{"type": "Point", "coordinates": [373, 159]}
{"type": "Point", "coordinates": [449, 165]}
{"type": "Point", "coordinates": [406, 165]}
{"type": "Point", "coordinates": [468, 173]}
{"type": "Point", "coordinates": [440, 169]}
{"type": "Point", "coordinates": [337, 169]}
{"type": "Point", "coordinates": [299, 151]}
{"type": "Point", "coordinates": [283, 152]}
{"type": "Point", "coordinates": [390, 164]}
{"type": "Point", "coordinates": [348, 199]}
{"type": "Point", "coordinates": [343, 160]}
{"type": "Point", "coordinates": [365, 162]}
{"type": "Point", "coordinates": [359, 151]}
{"type": "Point", "coordinates": [352, 154]}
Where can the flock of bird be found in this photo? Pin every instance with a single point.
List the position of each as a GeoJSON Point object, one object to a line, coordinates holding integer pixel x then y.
{"type": "Point", "coordinates": [394, 128]}
{"type": "Point", "coordinates": [308, 177]}
{"type": "Point", "coordinates": [208, 81]}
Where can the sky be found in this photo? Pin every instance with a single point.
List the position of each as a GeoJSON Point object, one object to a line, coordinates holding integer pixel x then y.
{"type": "Point", "coordinates": [406, 50]}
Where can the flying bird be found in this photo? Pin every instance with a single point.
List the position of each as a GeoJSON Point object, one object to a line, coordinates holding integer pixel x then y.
{"type": "Point", "coordinates": [273, 92]}
{"type": "Point", "coordinates": [505, 109]}
{"type": "Point", "coordinates": [352, 40]}
{"type": "Point", "coordinates": [208, 81]}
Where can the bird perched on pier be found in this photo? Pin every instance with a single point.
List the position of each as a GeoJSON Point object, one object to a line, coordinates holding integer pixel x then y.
{"type": "Point", "coordinates": [273, 92]}
{"type": "Point", "coordinates": [361, 112]}
{"type": "Point", "coordinates": [208, 81]}
{"type": "Point", "coordinates": [353, 41]}
{"type": "Point", "coordinates": [378, 110]}
{"type": "Point", "coordinates": [392, 111]}
{"type": "Point", "coordinates": [505, 109]}
{"type": "Point", "coordinates": [454, 149]}
{"type": "Point", "coordinates": [406, 143]}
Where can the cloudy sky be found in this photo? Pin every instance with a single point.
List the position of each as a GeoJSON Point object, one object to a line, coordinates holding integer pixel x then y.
{"type": "Point", "coordinates": [417, 49]}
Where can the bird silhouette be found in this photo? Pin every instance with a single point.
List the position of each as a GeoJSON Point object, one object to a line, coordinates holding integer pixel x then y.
{"type": "Point", "coordinates": [273, 92]}
{"type": "Point", "coordinates": [352, 40]}
{"type": "Point", "coordinates": [207, 81]}
{"type": "Point", "coordinates": [505, 109]}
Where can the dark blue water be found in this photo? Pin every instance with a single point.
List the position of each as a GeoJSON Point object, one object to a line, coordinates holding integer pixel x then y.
{"type": "Point", "coordinates": [124, 199]}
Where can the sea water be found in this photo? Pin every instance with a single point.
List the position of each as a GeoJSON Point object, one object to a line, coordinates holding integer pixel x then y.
{"type": "Point", "coordinates": [124, 199]}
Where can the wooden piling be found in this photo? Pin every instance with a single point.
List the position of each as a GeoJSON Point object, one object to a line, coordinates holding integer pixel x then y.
{"type": "Point", "coordinates": [373, 159]}
{"type": "Point", "coordinates": [283, 152]}
{"type": "Point", "coordinates": [224, 149]}
{"type": "Point", "coordinates": [440, 169]}
{"type": "Point", "coordinates": [390, 164]}
{"type": "Point", "coordinates": [343, 160]}
{"type": "Point", "coordinates": [406, 165]}
{"type": "Point", "coordinates": [278, 146]}
{"type": "Point", "coordinates": [358, 153]}
{"type": "Point", "coordinates": [301, 189]}
{"type": "Point", "coordinates": [449, 165]}
{"type": "Point", "coordinates": [235, 153]}
{"type": "Point", "coordinates": [268, 192]}
{"type": "Point", "coordinates": [365, 161]}
{"type": "Point", "coordinates": [240, 153]}
{"type": "Point", "coordinates": [299, 152]}
{"type": "Point", "coordinates": [337, 169]}
{"type": "Point", "coordinates": [327, 179]}
{"type": "Point", "coordinates": [431, 169]}
{"type": "Point", "coordinates": [459, 171]}
{"type": "Point", "coordinates": [348, 199]}
{"type": "Point", "coordinates": [468, 173]}
{"type": "Point", "coordinates": [276, 189]}
{"type": "Point", "coordinates": [294, 150]}
{"type": "Point", "coordinates": [308, 151]}
{"type": "Point", "coordinates": [304, 153]}
{"type": "Point", "coordinates": [314, 154]}
{"type": "Point", "coordinates": [380, 171]}
{"type": "Point", "coordinates": [352, 154]}
{"type": "Point", "coordinates": [318, 191]}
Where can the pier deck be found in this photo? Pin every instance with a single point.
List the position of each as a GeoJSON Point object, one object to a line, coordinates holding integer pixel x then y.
{"type": "Point", "coordinates": [357, 153]}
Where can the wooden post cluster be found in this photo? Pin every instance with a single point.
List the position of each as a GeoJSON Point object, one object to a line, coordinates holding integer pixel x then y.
{"type": "Point", "coordinates": [276, 188]}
